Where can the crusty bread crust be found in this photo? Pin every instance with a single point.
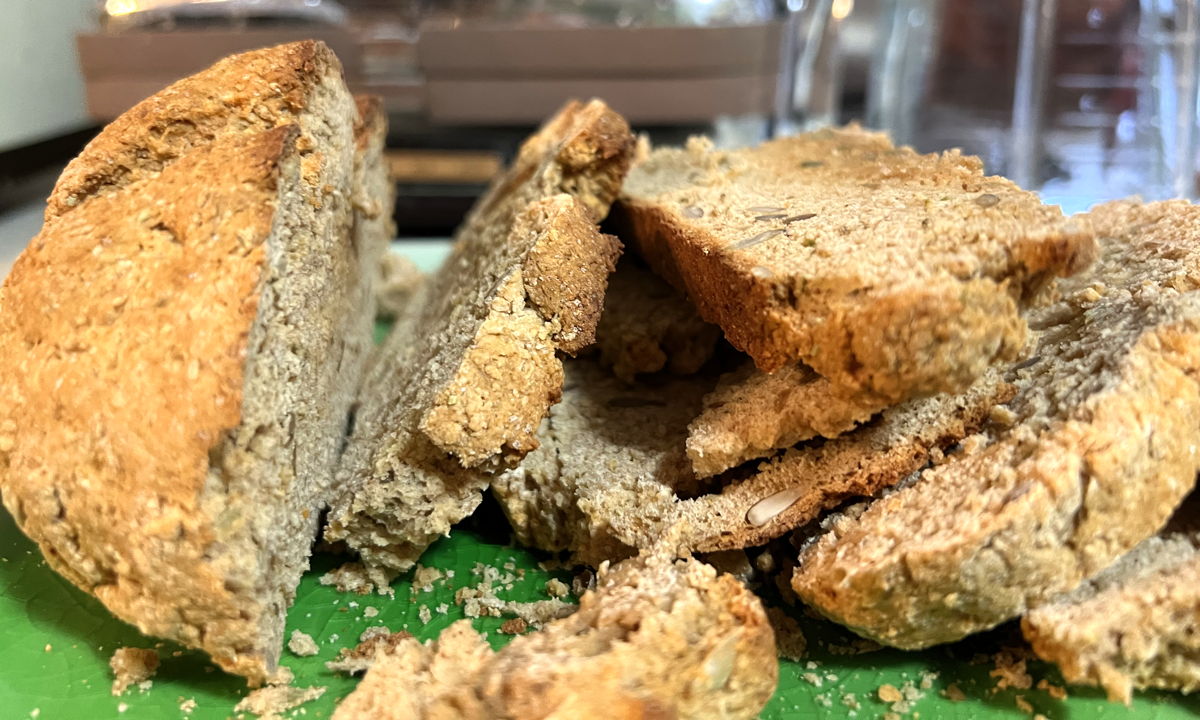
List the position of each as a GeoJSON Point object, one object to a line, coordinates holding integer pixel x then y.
{"type": "Point", "coordinates": [123, 334]}
{"type": "Point", "coordinates": [656, 638]}
{"type": "Point", "coordinates": [1097, 451]}
{"type": "Point", "coordinates": [256, 90]}
{"type": "Point", "coordinates": [890, 273]}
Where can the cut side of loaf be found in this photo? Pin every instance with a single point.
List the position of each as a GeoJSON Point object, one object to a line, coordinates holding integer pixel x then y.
{"type": "Point", "coordinates": [469, 370]}
{"type": "Point", "coordinates": [168, 380]}
{"type": "Point", "coordinates": [891, 274]}
{"type": "Point", "coordinates": [647, 326]}
{"type": "Point", "coordinates": [1096, 451]}
{"type": "Point", "coordinates": [1137, 624]}
{"type": "Point", "coordinates": [657, 638]}
{"type": "Point", "coordinates": [611, 475]}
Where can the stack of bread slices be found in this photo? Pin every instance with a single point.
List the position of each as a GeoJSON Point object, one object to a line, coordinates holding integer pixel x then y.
{"type": "Point", "coordinates": [960, 406]}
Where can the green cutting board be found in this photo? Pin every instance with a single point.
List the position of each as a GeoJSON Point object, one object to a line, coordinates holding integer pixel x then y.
{"type": "Point", "coordinates": [55, 643]}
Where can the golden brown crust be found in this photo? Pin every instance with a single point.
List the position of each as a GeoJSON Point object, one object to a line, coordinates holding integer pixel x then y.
{"type": "Point", "coordinates": [1097, 452]}
{"type": "Point", "coordinates": [123, 334]}
{"type": "Point", "coordinates": [260, 89]}
{"type": "Point", "coordinates": [889, 273]}
{"type": "Point", "coordinates": [655, 639]}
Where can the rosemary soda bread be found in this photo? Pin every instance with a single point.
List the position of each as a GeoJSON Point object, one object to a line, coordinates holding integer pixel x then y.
{"type": "Point", "coordinates": [471, 367]}
{"type": "Point", "coordinates": [611, 475]}
{"type": "Point", "coordinates": [1092, 455]}
{"type": "Point", "coordinates": [646, 326]}
{"type": "Point", "coordinates": [891, 274]}
{"type": "Point", "coordinates": [656, 638]}
{"type": "Point", "coordinates": [1137, 624]}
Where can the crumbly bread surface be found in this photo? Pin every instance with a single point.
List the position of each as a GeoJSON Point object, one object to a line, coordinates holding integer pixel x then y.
{"type": "Point", "coordinates": [1097, 451]}
{"type": "Point", "coordinates": [611, 475]}
{"type": "Point", "coordinates": [657, 638]}
{"type": "Point", "coordinates": [1137, 624]}
{"type": "Point", "coordinates": [470, 369]}
{"type": "Point", "coordinates": [890, 273]}
{"type": "Point", "coordinates": [647, 326]}
{"type": "Point", "coordinates": [751, 414]}
{"type": "Point", "coordinates": [131, 666]}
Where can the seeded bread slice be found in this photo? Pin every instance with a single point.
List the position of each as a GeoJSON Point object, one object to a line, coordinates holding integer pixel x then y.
{"type": "Point", "coordinates": [655, 639]}
{"type": "Point", "coordinates": [647, 326]}
{"type": "Point", "coordinates": [1099, 453]}
{"type": "Point", "coordinates": [466, 377]}
{"type": "Point", "coordinates": [891, 274]}
{"type": "Point", "coordinates": [171, 389]}
{"type": "Point", "coordinates": [611, 475]}
{"type": "Point", "coordinates": [1137, 624]}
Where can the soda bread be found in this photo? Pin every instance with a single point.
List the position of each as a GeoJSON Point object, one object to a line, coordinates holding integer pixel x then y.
{"type": "Point", "coordinates": [891, 274]}
{"type": "Point", "coordinates": [1137, 624]}
{"type": "Point", "coordinates": [656, 638]}
{"type": "Point", "coordinates": [647, 326]}
{"type": "Point", "coordinates": [1095, 451]}
{"type": "Point", "coordinates": [611, 475]}
{"type": "Point", "coordinates": [465, 378]}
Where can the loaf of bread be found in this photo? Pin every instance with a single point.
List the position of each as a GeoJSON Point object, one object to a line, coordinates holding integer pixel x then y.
{"type": "Point", "coordinates": [1137, 624]}
{"type": "Point", "coordinates": [466, 377]}
{"type": "Point", "coordinates": [655, 639]}
{"type": "Point", "coordinates": [181, 345]}
{"type": "Point", "coordinates": [891, 274]}
{"type": "Point", "coordinates": [1089, 458]}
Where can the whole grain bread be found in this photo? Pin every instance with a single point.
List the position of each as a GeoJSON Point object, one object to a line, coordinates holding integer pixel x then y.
{"type": "Point", "coordinates": [611, 475]}
{"type": "Point", "coordinates": [647, 326]}
{"type": "Point", "coordinates": [1096, 452]}
{"type": "Point", "coordinates": [1137, 624]}
{"type": "Point", "coordinates": [657, 638]}
{"type": "Point", "coordinates": [465, 378]}
{"type": "Point", "coordinates": [891, 274]}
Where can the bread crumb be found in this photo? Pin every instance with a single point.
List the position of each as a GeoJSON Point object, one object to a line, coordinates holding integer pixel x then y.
{"type": "Point", "coordinates": [302, 644]}
{"type": "Point", "coordinates": [927, 679]}
{"type": "Point", "coordinates": [850, 700]}
{"type": "Point", "coordinates": [1010, 671]}
{"type": "Point", "coordinates": [425, 577]}
{"type": "Point", "coordinates": [424, 614]}
{"type": "Point", "coordinates": [812, 679]}
{"type": "Point", "coordinates": [1054, 691]}
{"type": "Point", "coordinates": [790, 642]}
{"type": "Point", "coordinates": [556, 588]}
{"type": "Point", "coordinates": [275, 700]}
{"type": "Point", "coordinates": [35, 712]}
{"type": "Point", "coordinates": [891, 716]}
{"type": "Point", "coordinates": [1023, 705]}
{"type": "Point", "coordinates": [132, 666]}
{"type": "Point", "coordinates": [889, 694]}
{"type": "Point", "coordinates": [374, 641]}
{"type": "Point", "coordinates": [187, 706]}
{"type": "Point", "coordinates": [442, 609]}
{"type": "Point", "coordinates": [352, 577]}
{"type": "Point", "coordinates": [48, 647]}
{"type": "Point", "coordinates": [370, 611]}
{"type": "Point", "coordinates": [374, 632]}
{"type": "Point", "coordinates": [823, 700]}
{"type": "Point", "coordinates": [515, 626]}
{"type": "Point", "coordinates": [122, 707]}
{"type": "Point", "coordinates": [954, 693]}
{"type": "Point", "coordinates": [282, 676]}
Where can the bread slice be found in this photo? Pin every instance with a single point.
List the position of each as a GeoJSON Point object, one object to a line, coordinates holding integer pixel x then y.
{"type": "Point", "coordinates": [174, 392]}
{"type": "Point", "coordinates": [751, 414]}
{"type": "Point", "coordinates": [1096, 451]}
{"type": "Point", "coordinates": [611, 475]}
{"type": "Point", "coordinates": [891, 274]}
{"type": "Point", "coordinates": [655, 639]}
{"type": "Point", "coordinates": [292, 84]}
{"type": "Point", "coordinates": [1137, 624]}
{"type": "Point", "coordinates": [647, 326]}
{"type": "Point", "coordinates": [466, 378]}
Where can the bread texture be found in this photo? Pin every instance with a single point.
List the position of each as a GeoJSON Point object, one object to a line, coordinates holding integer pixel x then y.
{"type": "Point", "coordinates": [471, 366]}
{"type": "Point", "coordinates": [891, 274]}
{"type": "Point", "coordinates": [647, 326]}
{"type": "Point", "coordinates": [1137, 624]}
{"type": "Point", "coordinates": [657, 638]}
{"type": "Point", "coordinates": [1095, 452]}
{"type": "Point", "coordinates": [611, 475]}
{"type": "Point", "coordinates": [181, 345]}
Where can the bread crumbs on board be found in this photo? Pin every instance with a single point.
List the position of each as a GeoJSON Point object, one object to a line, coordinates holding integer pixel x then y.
{"type": "Point", "coordinates": [274, 700]}
{"type": "Point", "coordinates": [132, 666]}
{"type": "Point", "coordinates": [302, 644]}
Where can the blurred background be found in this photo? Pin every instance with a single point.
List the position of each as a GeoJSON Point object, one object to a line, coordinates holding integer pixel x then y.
{"type": "Point", "coordinates": [1082, 100]}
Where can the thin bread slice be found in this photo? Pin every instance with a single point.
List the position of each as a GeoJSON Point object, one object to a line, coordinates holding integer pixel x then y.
{"type": "Point", "coordinates": [751, 414]}
{"type": "Point", "coordinates": [466, 377]}
{"type": "Point", "coordinates": [288, 84]}
{"type": "Point", "coordinates": [646, 326]}
{"type": "Point", "coordinates": [611, 475]}
{"type": "Point", "coordinates": [1096, 452]}
{"type": "Point", "coordinates": [656, 638]}
{"type": "Point", "coordinates": [173, 393]}
{"type": "Point", "coordinates": [890, 273]}
{"type": "Point", "coordinates": [1137, 624]}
